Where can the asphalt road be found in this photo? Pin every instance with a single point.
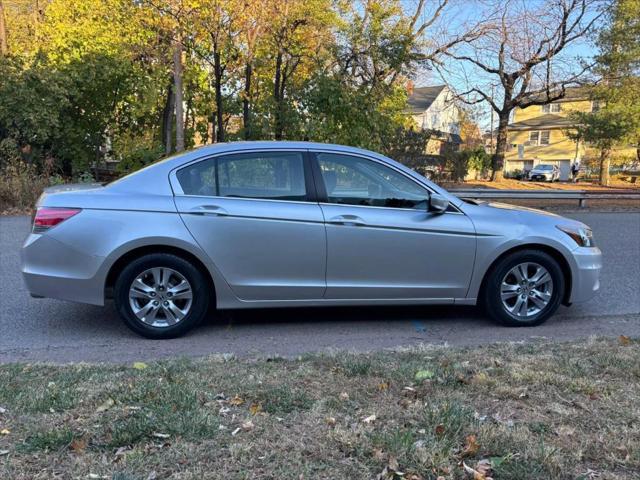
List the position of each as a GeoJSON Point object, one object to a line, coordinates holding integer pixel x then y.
{"type": "Point", "coordinates": [56, 331]}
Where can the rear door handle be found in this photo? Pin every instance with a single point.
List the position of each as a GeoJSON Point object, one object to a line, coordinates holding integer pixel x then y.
{"type": "Point", "coordinates": [209, 210]}
{"type": "Point", "coordinates": [352, 220]}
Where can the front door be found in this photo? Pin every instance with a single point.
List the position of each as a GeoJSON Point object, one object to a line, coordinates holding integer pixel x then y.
{"type": "Point", "coordinates": [254, 215]}
{"type": "Point", "coordinates": [382, 243]}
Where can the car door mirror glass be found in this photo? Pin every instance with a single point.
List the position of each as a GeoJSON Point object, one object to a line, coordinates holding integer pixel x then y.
{"type": "Point", "coordinates": [438, 203]}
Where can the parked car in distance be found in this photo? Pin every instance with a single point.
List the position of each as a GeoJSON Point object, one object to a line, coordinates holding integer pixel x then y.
{"type": "Point", "coordinates": [545, 173]}
{"type": "Point", "coordinates": [283, 224]}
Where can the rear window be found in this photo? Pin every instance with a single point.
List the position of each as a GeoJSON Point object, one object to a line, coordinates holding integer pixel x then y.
{"type": "Point", "coordinates": [265, 175]}
{"type": "Point", "coordinates": [544, 167]}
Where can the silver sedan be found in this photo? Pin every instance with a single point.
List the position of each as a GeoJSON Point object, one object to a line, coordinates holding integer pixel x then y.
{"type": "Point", "coordinates": [282, 224]}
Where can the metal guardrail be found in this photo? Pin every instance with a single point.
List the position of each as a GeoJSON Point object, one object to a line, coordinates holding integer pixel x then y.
{"type": "Point", "coordinates": [581, 195]}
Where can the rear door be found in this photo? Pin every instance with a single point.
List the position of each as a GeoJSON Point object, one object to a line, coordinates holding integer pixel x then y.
{"type": "Point", "coordinates": [256, 216]}
{"type": "Point", "coordinates": [382, 243]}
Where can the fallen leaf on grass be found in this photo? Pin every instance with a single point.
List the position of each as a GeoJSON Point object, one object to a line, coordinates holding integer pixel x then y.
{"type": "Point", "coordinates": [236, 401]}
{"type": "Point", "coordinates": [5, 431]}
{"type": "Point", "coordinates": [248, 425]}
{"type": "Point", "coordinates": [471, 447]}
{"type": "Point", "coordinates": [383, 386]}
{"type": "Point", "coordinates": [161, 435]}
{"type": "Point", "coordinates": [624, 340]}
{"type": "Point", "coordinates": [139, 365]}
{"type": "Point", "coordinates": [369, 419]}
{"type": "Point", "coordinates": [476, 474]}
{"type": "Point", "coordinates": [78, 445]}
{"type": "Point", "coordinates": [330, 421]}
{"type": "Point", "coordinates": [440, 430]}
{"type": "Point", "coordinates": [108, 403]}
{"type": "Point", "coordinates": [255, 408]}
{"type": "Point", "coordinates": [344, 396]}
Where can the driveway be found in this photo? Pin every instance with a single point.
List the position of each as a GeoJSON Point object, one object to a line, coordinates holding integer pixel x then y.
{"type": "Point", "coordinates": [56, 331]}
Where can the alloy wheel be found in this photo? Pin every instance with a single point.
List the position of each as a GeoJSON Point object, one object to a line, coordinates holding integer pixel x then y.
{"type": "Point", "coordinates": [526, 290]}
{"type": "Point", "coordinates": [160, 297]}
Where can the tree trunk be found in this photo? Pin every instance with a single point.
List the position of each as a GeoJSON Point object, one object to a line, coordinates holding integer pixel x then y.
{"type": "Point", "coordinates": [217, 73]}
{"type": "Point", "coordinates": [497, 162]}
{"type": "Point", "coordinates": [605, 163]}
{"type": "Point", "coordinates": [278, 127]}
{"type": "Point", "coordinates": [4, 47]}
{"type": "Point", "coordinates": [177, 90]}
{"type": "Point", "coordinates": [246, 114]}
{"type": "Point", "coordinates": [167, 120]}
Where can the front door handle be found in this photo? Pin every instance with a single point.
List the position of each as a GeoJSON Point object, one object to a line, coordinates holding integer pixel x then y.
{"type": "Point", "coordinates": [209, 210]}
{"type": "Point", "coordinates": [352, 220]}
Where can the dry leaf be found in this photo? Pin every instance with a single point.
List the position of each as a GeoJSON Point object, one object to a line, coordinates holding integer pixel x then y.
{"type": "Point", "coordinates": [330, 421]}
{"type": "Point", "coordinates": [624, 340]}
{"type": "Point", "coordinates": [237, 400]}
{"type": "Point", "coordinates": [369, 419]}
{"type": "Point", "coordinates": [476, 475]}
{"type": "Point", "coordinates": [139, 365]}
{"type": "Point", "coordinates": [383, 386]}
{"type": "Point", "coordinates": [248, 425]}
{"type": "Point", "coordinates": [471, 447]}
{"type": "Point", "coordinates": [440, 430]}
{"type": "Point", "coordinates": [344, 396]}
{"type": "Point", "coordinates": [78, 445]}
{"type": "Point", "coordinates": [106, 405]}
{"type": "Point", "coordinates": [255, 408]}
{"type": "Point", "coordinates": [379, 454]}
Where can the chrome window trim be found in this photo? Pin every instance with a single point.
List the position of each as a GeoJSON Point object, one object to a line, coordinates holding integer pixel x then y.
{"type": "Point", "coordinates": [177, 188]}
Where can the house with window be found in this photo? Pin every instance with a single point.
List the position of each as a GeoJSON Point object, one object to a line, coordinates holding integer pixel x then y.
{"type": "Point", "coordinates": [433, 108]}
{"type": "Point", "coordinates": [538, 134]}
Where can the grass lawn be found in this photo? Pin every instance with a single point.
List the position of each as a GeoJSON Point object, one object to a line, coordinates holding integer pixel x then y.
{"type": "Point", "coordinates": [526, 411]}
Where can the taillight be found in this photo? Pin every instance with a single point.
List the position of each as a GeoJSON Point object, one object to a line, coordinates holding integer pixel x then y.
{"type": "Point", "coordinates": [47, 217]}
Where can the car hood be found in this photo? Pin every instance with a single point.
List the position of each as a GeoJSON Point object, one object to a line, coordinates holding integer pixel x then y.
{"type": "Point", "coordinates": [531, 216]}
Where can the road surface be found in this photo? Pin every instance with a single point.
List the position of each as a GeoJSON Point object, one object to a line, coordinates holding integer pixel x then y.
{"type": "Point", "coordinates": [56, 331]}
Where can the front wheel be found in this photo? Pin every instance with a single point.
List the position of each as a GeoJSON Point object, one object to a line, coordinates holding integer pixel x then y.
{"type": "Point", "coordinates": [161, 295]}
{"type": "Point", "coordinates": [524, 289]}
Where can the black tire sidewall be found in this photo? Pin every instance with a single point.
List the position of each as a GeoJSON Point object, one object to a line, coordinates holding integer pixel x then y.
{"type": "Point", "coordinates": [491, 292]}
{"type": "Point", "coordinates": [198, 283]}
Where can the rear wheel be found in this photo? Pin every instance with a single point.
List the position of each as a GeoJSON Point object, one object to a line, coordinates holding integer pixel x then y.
{"type": "Point", "coordinates": [161, 295]}
{"type": "Point", "coordinates": [524, 289]}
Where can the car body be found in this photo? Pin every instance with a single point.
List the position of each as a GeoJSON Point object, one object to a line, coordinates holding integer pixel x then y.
{"type": "Point", "coordinates": [280, 224]}
{"type": "Point", "coordinates": [545, 172]}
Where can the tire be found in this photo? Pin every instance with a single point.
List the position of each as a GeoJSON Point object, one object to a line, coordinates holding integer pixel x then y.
{"type": "Point", "coordinates": [531, 313]}
{"type": "Point", "coordinates": [165, 322]}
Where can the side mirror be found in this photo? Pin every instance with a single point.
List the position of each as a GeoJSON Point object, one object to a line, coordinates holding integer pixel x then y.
{"type": "Point", "coordinates": [438, 203]}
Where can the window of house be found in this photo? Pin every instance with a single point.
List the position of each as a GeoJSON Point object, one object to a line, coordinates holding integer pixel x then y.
{"type": "Point", "coordinates": [544, 137]}
{"type": "Point", "coordinates": [551, 108]}
{"type": "Point", "coordinates": [539, 137]}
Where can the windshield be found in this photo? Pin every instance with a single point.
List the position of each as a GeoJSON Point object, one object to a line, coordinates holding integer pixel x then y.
{"type": "Point", "coordinates": [544, 167]}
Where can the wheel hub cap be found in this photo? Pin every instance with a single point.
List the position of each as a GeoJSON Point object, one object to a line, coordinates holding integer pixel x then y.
{"type": "Point", "coordinates": [160, 297]}
{"type": "Point", "coordinates": [526, 290]}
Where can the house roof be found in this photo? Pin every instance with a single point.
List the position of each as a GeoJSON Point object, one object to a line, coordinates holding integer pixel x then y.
{"type": "Point", "coordinates": [571, 95]}
{"type": "Point", "coordinates": [543, 122]}
{"type": "Point", "coordinates": [422, 97]}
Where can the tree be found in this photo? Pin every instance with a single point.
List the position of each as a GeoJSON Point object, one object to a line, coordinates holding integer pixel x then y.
{"type": "Point", "coordinates": [617, 121]}
{"type": "Point", "coordinates": [521, 53]}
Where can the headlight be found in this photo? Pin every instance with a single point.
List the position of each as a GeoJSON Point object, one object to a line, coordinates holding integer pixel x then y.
{"type": "Point", "coordinates": [583, 236]}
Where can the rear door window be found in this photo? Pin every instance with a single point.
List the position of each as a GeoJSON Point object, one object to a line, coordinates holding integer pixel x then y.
{"type": "Point", "coordinates": [263, 175]}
